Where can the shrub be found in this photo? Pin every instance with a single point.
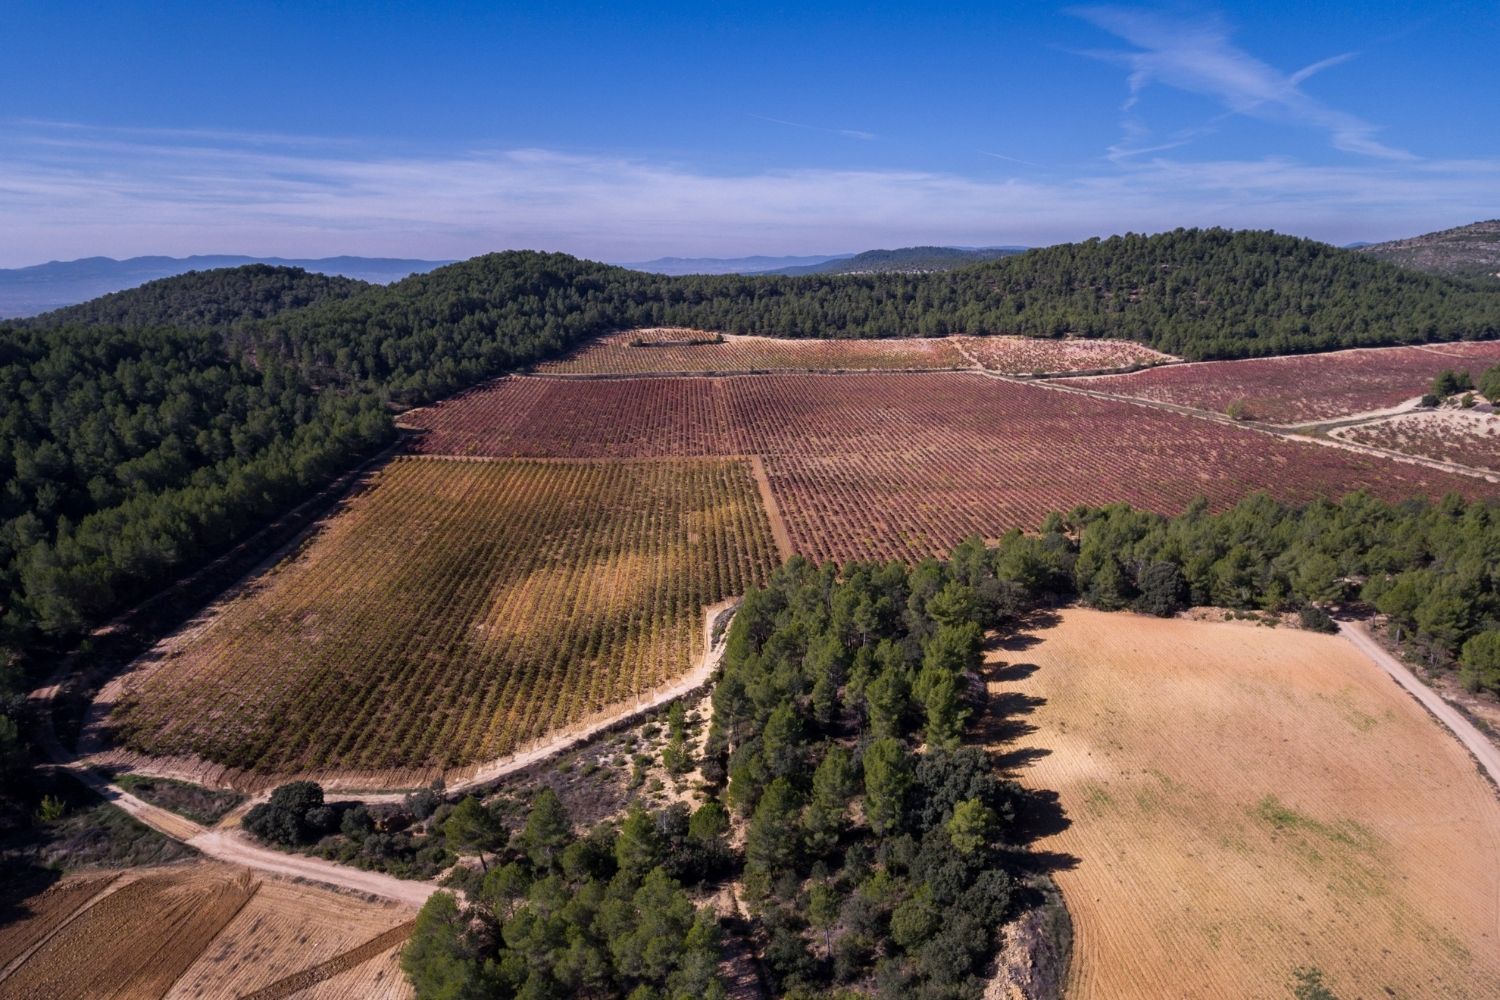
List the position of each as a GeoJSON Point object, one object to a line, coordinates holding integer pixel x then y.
{"type": "Point", "coordinates": [1315, 619]}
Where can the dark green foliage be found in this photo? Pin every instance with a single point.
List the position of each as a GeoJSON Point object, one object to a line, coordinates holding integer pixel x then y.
{"type": "Point", "coordinates": [215, 298]}
{"type": "Point", "coordinates": [1480, 661]}
{"type": "Point", "coordinates": [575, 925]}
{"type": "Point", "coordinates": [471, 826]}
{"type": "Point", "coordinates": [295, 814]}
{"type": "Point", "coordinates": [1489, 384]}
{"type": "Point", "coordinates": [1450, 383]}
{"type": "Point", "coordinates": [1315, 619]}
{"type": "Point", "coordinates": [1199, 293]}
{"type": "Point", "coordinates": [899, 876]}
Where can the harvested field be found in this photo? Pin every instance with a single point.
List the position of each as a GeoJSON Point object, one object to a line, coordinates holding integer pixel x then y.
{"type": "Point", "coordinates": [1039, 356]}
{"type": "Point", "coordinates": [454, 612]}
{"type": "Point", "coordinates": [378, 978]}
{"type": "Point", "coordinates": [907, 465]}
{"type": "Point", "coordinates": [198, 931]}
{"type": "Point", "coordinates": [36, 917]}
{"type": "Point", "coordinates": [661, 351]}
{"type": "Point", "coordinates": [293, 937]}
{"type": "Point", "coordinates": [137, 940]}
{"type": "Point", "coordinates": [1461, 436]}
{"type": "Point", "coordinates": [637, 352]}
{"type": "Point", "coordinates": [1302, 388]}
{"type": "Point", "coordinates": [1242, 802]}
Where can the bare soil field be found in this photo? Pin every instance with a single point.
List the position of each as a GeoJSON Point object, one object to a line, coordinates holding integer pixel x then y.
{"type": "Point", "coordinates": [199, 930]}
{"type": "Point", "coordinates": [36, 917]}
{"type": "Point", "coordinates": [907, 465]}
{"type": "Point", "coordinates": [1240, 802]}
{"type": "Point", "coordinates": [1449, 435]}
{"type": "Point", "coordinates": [1302, 388]}
{"type": "Point", "coordinates": [289, 933]}
{"type": "Point", "coordinates": [454, 613]}
{"type": "Point", "coordinates": [666, 350]}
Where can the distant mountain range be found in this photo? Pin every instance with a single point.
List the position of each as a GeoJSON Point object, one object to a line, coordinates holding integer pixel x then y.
{"type": "Point", "coordinates": [729, 265]}
{"type": "Point", "coordinates": [909, 260]}
{"type": "Point", "coordinates": [27, 291]}
{"type": "Point", "coordinates": [1471, 251]}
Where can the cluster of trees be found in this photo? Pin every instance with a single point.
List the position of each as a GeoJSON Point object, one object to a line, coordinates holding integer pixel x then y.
{"type": "Point", "coordinates": [408, 839]}
{"type": "Point", "coordinates": [1209, 293]}
{"type": "Point", "coordinates": [555, 914]}
{"type": "Point", "coordinates": [875, 845]}
{"type": "Point", "coordinates": [1489, 384]}
{"type": "Point", "coordinates": [1434, 569]}
{"type": "Point", "coordinates": [126, 455]}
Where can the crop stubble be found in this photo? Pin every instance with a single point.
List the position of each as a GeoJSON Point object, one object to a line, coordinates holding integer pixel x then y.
{"type": "Point", "coordinates": [1242, 802]}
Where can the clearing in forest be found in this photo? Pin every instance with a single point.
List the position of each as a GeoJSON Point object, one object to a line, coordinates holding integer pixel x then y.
{"type": "Point", "coordinates": [907, 465]}
{"type": "Point", "coordinates": [453, 613]}
{"type": "Point", "coordinates": [667, 350]}
{"type": "Point", "coordinates": [1242, 802]}
{"type": "Point", "coordinates": [1302, 388]}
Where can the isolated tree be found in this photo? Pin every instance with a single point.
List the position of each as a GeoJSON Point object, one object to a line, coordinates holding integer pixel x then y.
{"type": "Point", "coordinates": [473, 827]}
{"type": "Point", "coordinates": [1489, 384]}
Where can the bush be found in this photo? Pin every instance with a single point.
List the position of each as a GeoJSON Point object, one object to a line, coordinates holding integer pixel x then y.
{"type": "Point", "coordinates": [1315, 619]}
{"type": "Point", "coordinates": [294, 815]}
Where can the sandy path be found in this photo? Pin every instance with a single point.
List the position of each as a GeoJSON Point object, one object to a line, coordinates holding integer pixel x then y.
{"type": "Point", "coordinates": [1486, 754]}
{"type": "Point", "coordinates": [225, 845]}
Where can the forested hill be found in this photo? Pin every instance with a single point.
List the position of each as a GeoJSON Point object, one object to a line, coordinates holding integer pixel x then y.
{"type": "Point", "coordinates": [213, 298]}
{"type": "Point", "coordinates": [129, 453]}
{"type": "Point", "coordinates": [1198, 293]}
{"type": "Point", "coordinates": [907, 260]}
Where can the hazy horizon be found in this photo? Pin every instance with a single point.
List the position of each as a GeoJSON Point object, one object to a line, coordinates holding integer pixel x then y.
{"type": "Point", "coordinates": [446, 131]}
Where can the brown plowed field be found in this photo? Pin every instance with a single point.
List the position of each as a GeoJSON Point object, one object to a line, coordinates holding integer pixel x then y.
{"type": "Point", "coordinates": [136, 941]}
{"type": "Point", "coordinates": [642, 352]}
{"type": "Point", "coordinates": [200, 931]}
{"type": "Point", "coordinates": [455, 612]}
{"type": "Point", "coordinates": [39, 915]}
{"type": "Point", "coordinates": [289, 931]}
{"type": "Point", "coordinates": [1302, 388]}
{"type": "Point", "coordinates": [907, 465]}
{"type": "Point", "coordinates": [1242, 802]}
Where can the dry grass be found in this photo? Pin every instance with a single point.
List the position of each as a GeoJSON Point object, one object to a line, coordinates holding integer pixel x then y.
{"type": "Point", "coordinates": [1245, 801]}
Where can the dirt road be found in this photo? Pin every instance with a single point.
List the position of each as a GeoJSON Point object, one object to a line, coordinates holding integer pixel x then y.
{"type": "Point", "coordinates": [1485, 752]}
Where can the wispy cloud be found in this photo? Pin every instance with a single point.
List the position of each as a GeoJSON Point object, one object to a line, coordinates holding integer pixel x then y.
{"type": "Point", "coordinates": [75, 191]}
{"type": "Point", "coordinates": [847, 133]}
{"type": "Point", "coordinates": [1196, 55]}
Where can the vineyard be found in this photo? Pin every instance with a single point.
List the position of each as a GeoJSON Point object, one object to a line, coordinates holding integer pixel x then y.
{"type": "Point", "coordinates": [1038, 356]}
{"type": "Point", "coordinates": [1243, 802]}
{"type": "Point", "coordinates": [907, 465]}
{"type": "Point", "coordinates": [1302, 388]}
{"type": "Point", "coordinates": [198, 932]}
{"type": "Point", "coordinates": [666, 350]}
{"type": "Point", "coordinates": [1461, 436]}
{"type": "Point", "coordinates": [453, 613]}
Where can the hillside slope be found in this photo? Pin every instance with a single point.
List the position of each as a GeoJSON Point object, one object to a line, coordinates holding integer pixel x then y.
{"type": "Point", "coordinates": [907, 260]}
{"type": "Point", "coordinates": [207, 298]}
{"type": "Point", "coordinates": [1466, 251]}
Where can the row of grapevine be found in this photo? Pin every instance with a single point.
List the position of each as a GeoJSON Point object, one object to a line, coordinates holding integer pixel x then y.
{"type": "Point", "coordinates": [1305, 387]}
{"type": "Point", "coordinates": [457, 611]}
{"type": "Point", "coordinates": [905, 465]}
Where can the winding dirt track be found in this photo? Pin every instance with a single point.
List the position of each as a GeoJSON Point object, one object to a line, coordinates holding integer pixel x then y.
{"type": "Point", "coordinates": [1486, 754]}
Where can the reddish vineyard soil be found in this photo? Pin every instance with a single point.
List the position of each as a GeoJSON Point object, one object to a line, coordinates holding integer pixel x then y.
{"type": "Point", "coordinates": [1302, 388]}
{"type": "Point", "coordinates": [906, 465]}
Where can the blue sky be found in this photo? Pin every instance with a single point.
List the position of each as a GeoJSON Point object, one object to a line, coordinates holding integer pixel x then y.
{"type": "Point", "coordinates": [624, 132]}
